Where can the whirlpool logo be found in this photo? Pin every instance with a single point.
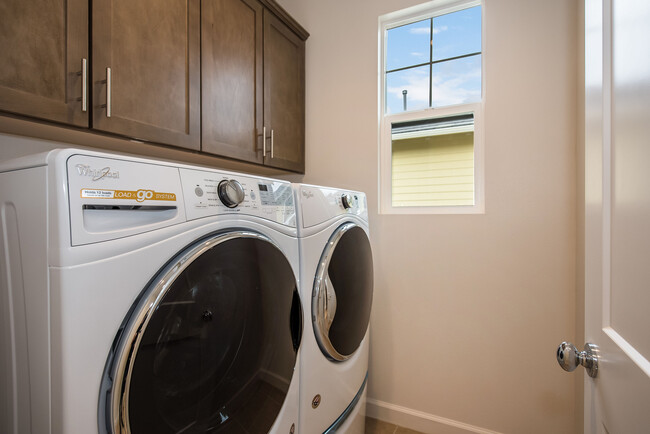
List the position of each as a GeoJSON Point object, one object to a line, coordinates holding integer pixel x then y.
{"type": "Point", "coordinates": [97, 174]}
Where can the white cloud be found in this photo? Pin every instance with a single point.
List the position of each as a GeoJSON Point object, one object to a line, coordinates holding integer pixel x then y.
{"type": "Point", "coordinates": [456, 89]}
{"type": "Point", "coordinates": [447, 90]}
{"type": "Point", "coordinates": [439, 29]}
{"type": "Point", "coordinates": [416, 82]}
{"type": "Point", "coordinates": [419, 30]}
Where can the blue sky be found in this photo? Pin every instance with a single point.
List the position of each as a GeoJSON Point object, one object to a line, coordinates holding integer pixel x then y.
{"type": "Point", "coordinates": [454, 81]}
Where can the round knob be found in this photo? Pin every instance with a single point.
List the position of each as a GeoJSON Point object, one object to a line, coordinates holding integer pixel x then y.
{"type": "Point", "coordinates": [231, 192]}
{"type": "Point", "coordinates": [347, 200]}
{"type": "Point", "coordinates": [569, 357]}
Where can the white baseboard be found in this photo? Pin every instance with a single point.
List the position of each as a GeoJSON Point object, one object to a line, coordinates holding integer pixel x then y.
{"type": "Point", "coordinates": [418, 420]}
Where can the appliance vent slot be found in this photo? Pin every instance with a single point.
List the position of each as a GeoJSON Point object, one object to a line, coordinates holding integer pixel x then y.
{"type": "Point", "coordinates": [119, 219]}
{"type": "Point", "coordinates": [128, 207]}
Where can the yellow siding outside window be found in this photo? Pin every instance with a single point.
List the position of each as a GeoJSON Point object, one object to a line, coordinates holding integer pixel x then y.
{"type": "Point", "coordinates": [434, 170]}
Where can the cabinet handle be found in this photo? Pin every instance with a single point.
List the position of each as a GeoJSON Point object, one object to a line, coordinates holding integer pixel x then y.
{"type": "Point", "coordinates": [264, 142]}
{"type": "Point", "coordinates": [271, 143]}
{"type": "Point", "coordinates": [84, 85]}
{"type": "Point", "coordinates": [108, 92]}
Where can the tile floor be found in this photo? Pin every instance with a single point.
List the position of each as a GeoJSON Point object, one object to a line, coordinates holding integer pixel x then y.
{"type": "Point", "coordinates": [374, 426]}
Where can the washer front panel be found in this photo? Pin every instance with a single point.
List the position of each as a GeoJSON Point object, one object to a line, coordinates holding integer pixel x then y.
{"type": "Point", "coordinates": [211, 344]}
{"type": "Point", "coordinates": [113, 198]}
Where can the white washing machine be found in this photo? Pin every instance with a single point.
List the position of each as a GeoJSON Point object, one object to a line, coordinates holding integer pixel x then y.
{"type": "Point", "coordinates": [336, 276]}
{"type": "Point", "coordinates": [144, 297]}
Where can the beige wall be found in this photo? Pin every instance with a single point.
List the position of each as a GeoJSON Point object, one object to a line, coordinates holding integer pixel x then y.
{"type": "Point", "coordinates": [451, 343]}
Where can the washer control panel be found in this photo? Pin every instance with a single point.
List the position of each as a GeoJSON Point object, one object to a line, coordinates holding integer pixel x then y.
{"type": "Point", "coordinates": [209, 193]}
{"type": "Point", "coordinates": [231, 192]}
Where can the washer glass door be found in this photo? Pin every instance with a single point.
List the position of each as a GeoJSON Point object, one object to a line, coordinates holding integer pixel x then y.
{"type": "Point", "coordinates": [211, 344]}
{"type": "Point", "coordinates": [342, 295]}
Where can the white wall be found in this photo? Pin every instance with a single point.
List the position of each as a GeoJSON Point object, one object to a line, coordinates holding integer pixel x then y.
{"type": "Point", "coordinates": [468, 309]}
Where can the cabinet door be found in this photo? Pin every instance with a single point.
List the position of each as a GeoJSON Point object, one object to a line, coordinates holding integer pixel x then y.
{"type": "Point", "coordinates": [43, 43]}
{"type": "Point", "coordinates": [284, 95]}
{"type": "Point", "coordinates": [152, 50]}
{"type": "Point", "coordinates": [231, 78]}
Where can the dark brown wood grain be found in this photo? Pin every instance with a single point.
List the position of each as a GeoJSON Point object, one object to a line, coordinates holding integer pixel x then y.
{"type": "Point", "coordinates": [153, 50]}
{"type": "Point", "coordinates": [42, 43]}
{"type": "Point", "coordinates": [279, 12]}
{"type": "Point", "coordinates": [284, 94]}
{"type": "Point", "coordinates": [205, 75]}
{"type": "Point", "coordinates": [231, 78]}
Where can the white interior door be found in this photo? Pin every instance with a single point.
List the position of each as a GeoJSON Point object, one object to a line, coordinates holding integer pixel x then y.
{"type": "Point", "coordinates": [617, 214]}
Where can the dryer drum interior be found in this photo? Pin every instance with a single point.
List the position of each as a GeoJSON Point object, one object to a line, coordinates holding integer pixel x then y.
{"type": "Point", "coordinates": [211, 344]}
{"type": "Point", "coordinates": [342, 295]}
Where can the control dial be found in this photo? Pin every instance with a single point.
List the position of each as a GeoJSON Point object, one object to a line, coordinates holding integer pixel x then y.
{"type": "Point", "coordinates": [231, 192]}
{"type": "Point", "coordinates": [347, 200]}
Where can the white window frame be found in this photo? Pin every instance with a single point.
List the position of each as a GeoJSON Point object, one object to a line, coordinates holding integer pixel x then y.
{"type": "Point", "coordinates": [400, 18]}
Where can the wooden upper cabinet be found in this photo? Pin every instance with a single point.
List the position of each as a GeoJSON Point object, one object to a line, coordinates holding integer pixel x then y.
{"type": "Point", "coordinates": [284, 95]}
{"type": "Point", "coordinates": [145, 74]}
{"type": "Point", "coordinates": [42, 47]}
{"type": "Point", "coordinates": [226, 77]}
{"type": "Point", "coordinates": [253, 84]}
{"type": "Point", "coordinates": [231, 78]}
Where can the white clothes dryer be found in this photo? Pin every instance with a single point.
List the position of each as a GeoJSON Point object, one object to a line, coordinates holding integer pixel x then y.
{"type": "Point", "coordinates": [142, 297]}
{"type": "Point", "coordinates": [336, 275]}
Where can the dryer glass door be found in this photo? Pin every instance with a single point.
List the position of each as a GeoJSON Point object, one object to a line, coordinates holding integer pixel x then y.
{"type": "Point", "coordinates": [342, 295]}
{"type": "Point", "coordinates": [210, 346]}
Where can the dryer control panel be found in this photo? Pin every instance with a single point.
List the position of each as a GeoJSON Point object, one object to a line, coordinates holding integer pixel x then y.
{"type": "Point", "coordinates": [210, 193]}
{"type": "Point", "coordinates": [320, 204]}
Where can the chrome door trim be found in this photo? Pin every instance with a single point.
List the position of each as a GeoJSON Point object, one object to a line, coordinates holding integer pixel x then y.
{"type": "Point", "coordinates": [323, 299]}
{"type": "Point", "coordinates": [121, 364]}
{"type": "Point", "coordinates": [346, 413]}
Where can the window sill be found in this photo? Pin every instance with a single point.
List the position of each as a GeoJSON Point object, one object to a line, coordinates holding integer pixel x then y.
{"type": "Point", "coordinates": [421, 210]}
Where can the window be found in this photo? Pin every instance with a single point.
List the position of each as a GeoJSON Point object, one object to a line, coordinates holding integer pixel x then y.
{"type": "Point", "coordinates": [431, 109]}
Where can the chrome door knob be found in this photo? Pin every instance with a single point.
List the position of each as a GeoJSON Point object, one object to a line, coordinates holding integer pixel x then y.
{"type": "Point", "coordinates": [569, 358]}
